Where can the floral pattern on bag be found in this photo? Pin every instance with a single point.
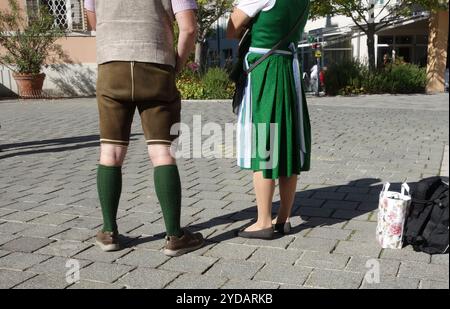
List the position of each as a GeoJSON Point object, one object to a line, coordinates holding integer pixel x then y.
{"type": "Point", "coordinates": [392, 211]}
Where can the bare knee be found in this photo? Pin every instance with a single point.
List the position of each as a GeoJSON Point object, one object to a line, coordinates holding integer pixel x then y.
{"type": "Point", "coordinates": [112, 155]}
{"type": "Point", "coordinates": [160, 155]}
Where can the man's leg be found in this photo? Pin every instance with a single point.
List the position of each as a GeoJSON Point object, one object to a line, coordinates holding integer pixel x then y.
{"type": "Point", "coordinates": [109, 183]}
{"type": "Point", "coordinates": [167, 187]}
{"type": "Point", "coordinates": [116, 112]}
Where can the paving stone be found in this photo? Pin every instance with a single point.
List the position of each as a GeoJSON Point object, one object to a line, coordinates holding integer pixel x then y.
{"type": "Point", "coordinates": [275, 255]}
{"type": "Point", "coordinates": [56, 266]}
{"type": "Point", "coordinates": [354, 248]}
{"type": "Point", "coordinates": [143, 258]}
{"type": "Point", "coordinates": [314, 212]}
{"type": "Point", "coordinates": [64, 248]}
{"type": "Point", "coordinates": [391, 283]}
{"type": "Point", "coordinates": [42, 231]}
{"type": "Point", "coordinates": [342, 205]}
{"type": "Point", "coordinates": [406, 254]}
{"type": "Point", "coordinates": [250, 285]}
{"type": "Point", "coordinates": [26, 244]}
{"type": "Point", "coordinates": [388, 268]}
{"type": "Point", "coordinates": [75, 234]}
{"type": "Point", "coordinates": [195, 281]}
{"type": "Point", "coordinates": [104, 272]}
{"type": "Point", "coordinates": [4, 238]}
{"type": "Point", "coordinates": [11, 278]}
{"type": "Point", "coordinates": [88, 285]}
{"type": "Point", "coordinates": [334, 279]}
{"type": "Point", "coordinates": [22, 216]}
{"type": "Point", "coordinates": [209, 203]}
{"type": "Point", "coordinates": [441, 259]}
{"type": "Point", "coordinates": [329, 233]}
{"type": "Point", "coordinates": [44, 282]}
{"type": "Point", "coordinates": [148, 278]}
{"type": "Point", "coordinates": [189, 263]}
{"type": "Point", "coordinates": [235, 269]}
{"type": "Point", "coordinates": [323, 260]}
{"type": "Point", "coordinates": [283, 274]}
{"type": "Point", "coordinates": [53, 219]}
{"type": "Point", "coordinates": [13, 227]}
{"type": "Point", "coordinates": [313, 244]}
{"type": "Point", "coordinates": [94, 253]}
{"type": "Point", "coordinates": [231, 251]}
{"type": "Point", "coordinates": [84, 223]}
{"type": "Point", "coordinates": [430, 284]}
{"type": "Point", "coordinates": [423, 271]}
{"type": "Point", "coordinates": [21, 261]}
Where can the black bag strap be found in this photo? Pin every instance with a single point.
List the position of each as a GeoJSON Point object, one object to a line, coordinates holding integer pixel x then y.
{"type": "Point", "coordinates": [278, 45]}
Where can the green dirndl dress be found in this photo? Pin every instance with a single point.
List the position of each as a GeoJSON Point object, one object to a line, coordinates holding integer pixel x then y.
{"type": "Point", "coordinates": [274, 131]}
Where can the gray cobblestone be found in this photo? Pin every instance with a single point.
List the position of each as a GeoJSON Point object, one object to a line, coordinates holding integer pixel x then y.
{"type": "Point", "coordinates": [358, 248]}
{"type": "Point", "coordinates": [231, 251]}
{"type": "Point", "coordinates": [195, 281]}
{"type": "Point", "coordinates": [10, 278]}
{"type": "Point", "coordinates": [431, 284]}
{"type": "Point", "coordinates": [337, 197]}
{"type": "Point", "coordinates": [276, 255]}
{"type": "Point", "coordinates": [235, 269]}
{"type": "Point", "coordinates": [189, 263]}
{"type": "Point", "coordinates": [283, 274]}
{"type": "Point", "coordinates": [323, 260]}
{"type": "Point", "coordinates": [143, 258]}
{"type": "Point", "coordinates": [423, 271]}
{"type": "Point", "coordinates": [21, 261]}
{"type": "Point", "coordinates": [313, 244]}
{"type": "Point", "coordinates": [104, 272]}
{"type": "Point", "coordinates": [83, 284]}
{"type": "Point", "coordinates": [392, 283]}
{"type": "Point", "coordinates": [146, 278]}
{"type": "Point", "coordinates": [26, 244]}
{"type": "Point", "coordinates": [44, 282]}
{"type": "Point", "coordinates": [64, 248]}
{"type": "Point", "coordinates": [250, 284]}
{"type": "Point", "coordinates": [334, 279]}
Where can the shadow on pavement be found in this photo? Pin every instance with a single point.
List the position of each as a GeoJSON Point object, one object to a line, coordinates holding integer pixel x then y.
{"type": "Point", "coordinates": [51, 145]}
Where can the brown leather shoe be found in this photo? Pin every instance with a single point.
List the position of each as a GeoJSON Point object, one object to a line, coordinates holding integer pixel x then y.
{"type": "Point", "coordinates": [176, 246]}
{"type": "Point", "coordinates": [107, 241]}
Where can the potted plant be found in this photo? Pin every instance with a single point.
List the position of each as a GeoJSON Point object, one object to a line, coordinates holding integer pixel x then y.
{"type": "Point", "coordinates": [27, 44]}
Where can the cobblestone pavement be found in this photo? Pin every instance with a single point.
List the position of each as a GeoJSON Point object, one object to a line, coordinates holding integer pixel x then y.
{"type": "Point", "coordinates": [49, 210]}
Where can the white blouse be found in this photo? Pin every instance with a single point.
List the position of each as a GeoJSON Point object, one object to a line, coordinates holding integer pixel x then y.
{"type": "Point", "coordinates": [252, 7]}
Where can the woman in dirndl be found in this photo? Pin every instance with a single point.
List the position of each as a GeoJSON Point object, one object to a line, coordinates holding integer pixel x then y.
{"type": "Point", "coordinates": [273, 131]}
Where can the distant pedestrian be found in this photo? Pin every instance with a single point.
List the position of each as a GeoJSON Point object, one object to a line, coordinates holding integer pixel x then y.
{"type": "Point", "coordinates": [314, 78]}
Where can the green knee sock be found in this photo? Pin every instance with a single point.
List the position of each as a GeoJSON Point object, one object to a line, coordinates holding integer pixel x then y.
{"type": "Point", "coordinates": [168, 191]}
{"type": "Point", "coordinates": [109, 186]}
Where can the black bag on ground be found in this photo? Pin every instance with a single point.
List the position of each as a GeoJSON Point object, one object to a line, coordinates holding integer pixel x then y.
{"type": "Point", "coordinates": [427, 225]}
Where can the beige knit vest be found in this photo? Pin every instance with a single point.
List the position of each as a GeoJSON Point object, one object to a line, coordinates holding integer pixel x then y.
{"type": "Point", "coordinates": [135, 30]}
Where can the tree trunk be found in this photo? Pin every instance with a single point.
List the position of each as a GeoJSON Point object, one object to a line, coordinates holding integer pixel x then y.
{"type": "Point", "coordinates": [437, 52]}
{"type": "Point", "coordinates": [200, 54]}
{"type": "Point", "coordinates": [371, 46]}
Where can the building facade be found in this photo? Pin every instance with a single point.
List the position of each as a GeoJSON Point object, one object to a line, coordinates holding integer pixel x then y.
{"type": "Point", "coordinates": [339, 37]}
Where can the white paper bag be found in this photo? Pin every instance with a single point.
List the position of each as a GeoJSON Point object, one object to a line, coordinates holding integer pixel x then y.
{"type": "Point", "coordinates": [392, 211]}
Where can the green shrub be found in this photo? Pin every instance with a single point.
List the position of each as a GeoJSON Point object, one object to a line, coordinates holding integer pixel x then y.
{"type": "Point", "coordinates": [214, 85]}
{"type": "Point", "coordinates": [352, 78]}
{"type": "Point", "coordinates": [217, 84]}
{"type": "Point", "coordinates": [344, 78]}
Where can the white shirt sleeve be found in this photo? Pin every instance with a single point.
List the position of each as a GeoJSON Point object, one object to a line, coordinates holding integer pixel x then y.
{"type": "Point", "coordinates": [252, 7]}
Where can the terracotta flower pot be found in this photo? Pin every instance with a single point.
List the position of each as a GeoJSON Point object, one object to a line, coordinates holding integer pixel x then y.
{"type": "Point", "coordinates": [29, 85]}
